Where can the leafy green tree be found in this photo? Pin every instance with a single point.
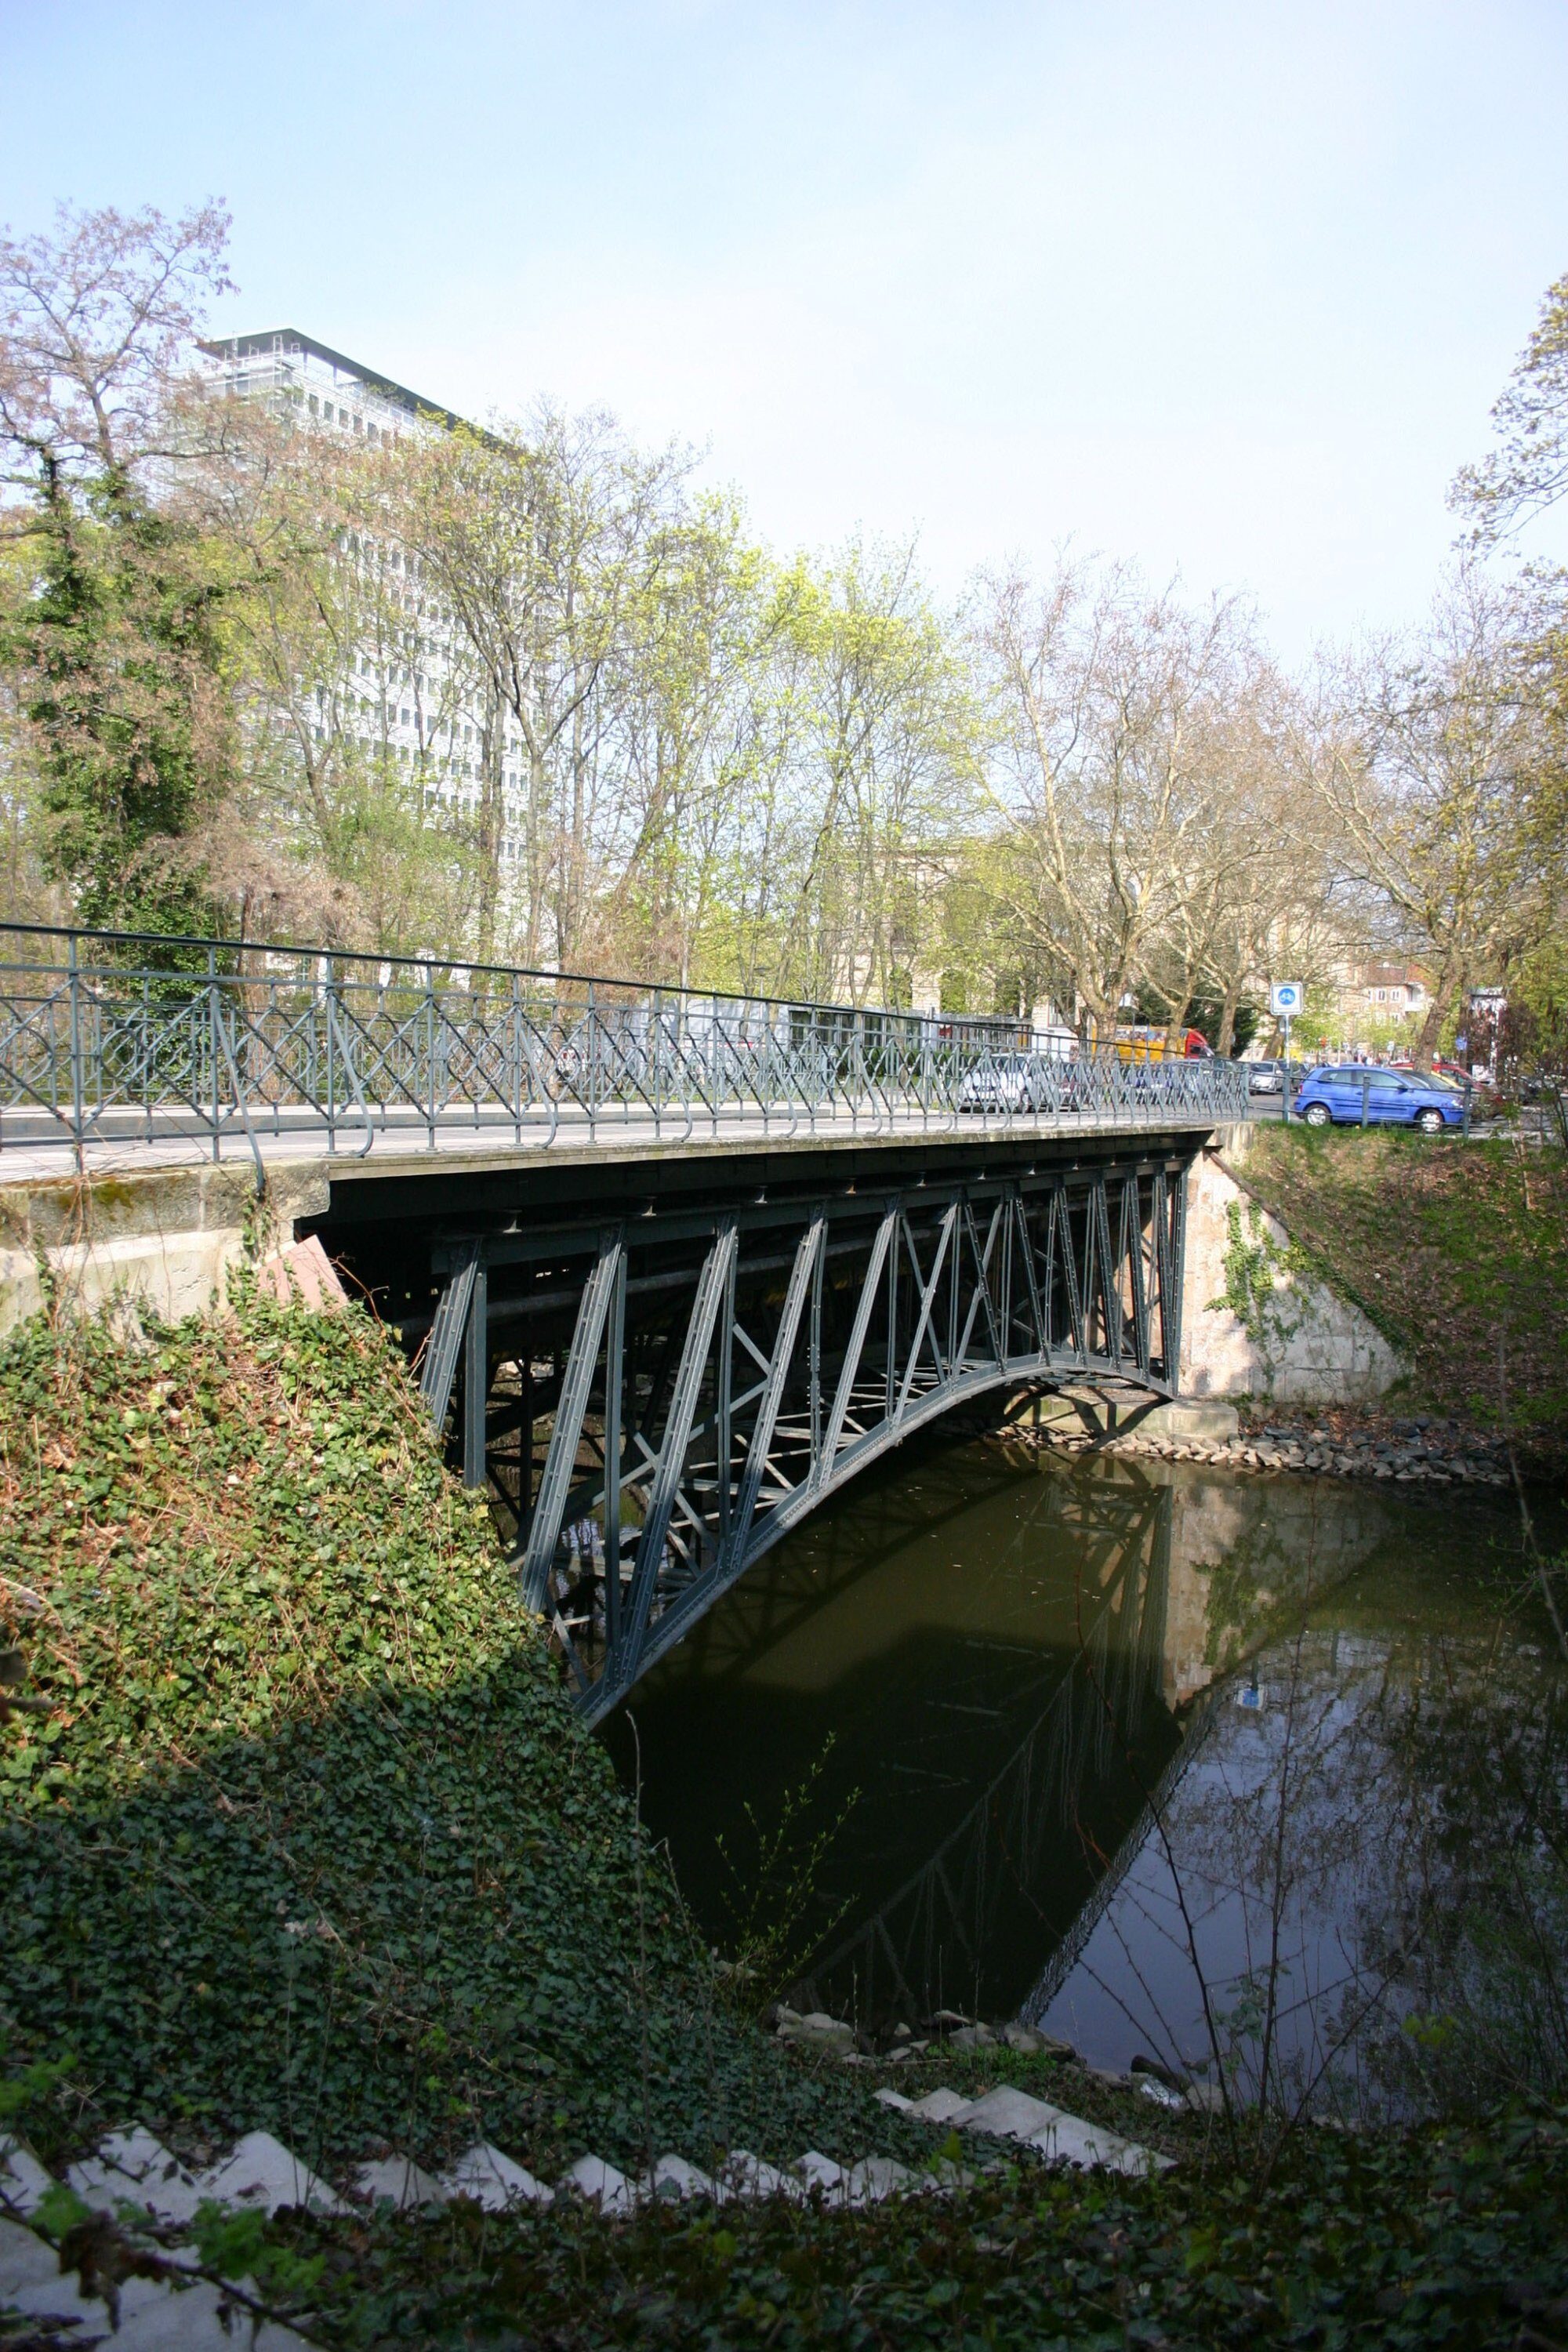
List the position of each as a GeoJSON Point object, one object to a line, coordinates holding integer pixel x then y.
{"type": "Point", "coordinates": [892, 736]}
{"type": "Point", "coordinates": [540, 548]}
{"type": "Point", "coordinates": [109, 633]}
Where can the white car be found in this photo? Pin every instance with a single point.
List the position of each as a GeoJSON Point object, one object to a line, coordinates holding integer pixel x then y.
{"type": "Point", "coordinates": [1016, 1082]}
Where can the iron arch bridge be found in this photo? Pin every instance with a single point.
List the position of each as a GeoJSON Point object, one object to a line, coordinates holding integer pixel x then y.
{"type": "Point", "coordinates": [654, 1399]}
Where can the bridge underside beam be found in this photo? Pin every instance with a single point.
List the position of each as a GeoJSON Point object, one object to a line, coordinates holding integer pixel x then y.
{"type": "Point", "coordinates": [654, 1402]}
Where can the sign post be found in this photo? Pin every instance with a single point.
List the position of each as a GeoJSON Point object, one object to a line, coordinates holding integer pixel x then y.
{"type": "Point", "coordinates": [1287, 997]}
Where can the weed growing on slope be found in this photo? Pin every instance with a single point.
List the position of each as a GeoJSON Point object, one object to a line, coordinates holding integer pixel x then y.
{"type": "Point", "coordinates": [1452, 1249]}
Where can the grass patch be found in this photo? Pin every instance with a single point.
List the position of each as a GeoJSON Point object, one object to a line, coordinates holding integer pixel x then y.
{"type": "Point", "coordinates": [1458, 1252]}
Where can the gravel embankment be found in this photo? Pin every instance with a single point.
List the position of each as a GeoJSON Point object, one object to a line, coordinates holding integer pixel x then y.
{"type": "Point", "coordinates": [1335, 1443]}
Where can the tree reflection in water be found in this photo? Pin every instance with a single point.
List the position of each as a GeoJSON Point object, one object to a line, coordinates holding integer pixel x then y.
{"type": "Point", "coordinates": [1266, 1777]}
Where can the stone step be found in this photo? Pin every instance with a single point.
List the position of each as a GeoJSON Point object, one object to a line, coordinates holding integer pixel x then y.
{"type": "Point", "coordinates": [493, 2180]}
{"type": "Point", "coordinates": [673, 2177]}
{"type": "Point", "coordinates": [154, 2315]}
{"type": "Point", "coordinates": [134, 2168]}
{"type": "Point", "coordinates": [1009, 2114]}
{"type": "Point", "coordinates": [397, 2180]}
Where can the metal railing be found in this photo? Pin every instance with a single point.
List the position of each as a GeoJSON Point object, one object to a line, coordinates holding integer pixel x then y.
{"type": "Point", "coordinates": [120, 1039]}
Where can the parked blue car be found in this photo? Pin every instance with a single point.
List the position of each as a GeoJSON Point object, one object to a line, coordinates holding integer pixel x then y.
{"type": "Point", "coordinates": [1392, 1099]}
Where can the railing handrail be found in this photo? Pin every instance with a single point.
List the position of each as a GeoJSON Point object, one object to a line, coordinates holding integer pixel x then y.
{"type": "Point", "coordinates": [552, 975]}
{"type": "Point", "coordinates": [96, 1049]}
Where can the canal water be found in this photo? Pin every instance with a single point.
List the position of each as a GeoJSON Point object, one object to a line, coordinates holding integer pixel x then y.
{"type": "Point", "coordinates": [1269, 1774]}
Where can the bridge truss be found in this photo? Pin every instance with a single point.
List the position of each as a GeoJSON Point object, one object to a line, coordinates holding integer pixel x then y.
{"type": "Point", "coordinates": [654, 1402]}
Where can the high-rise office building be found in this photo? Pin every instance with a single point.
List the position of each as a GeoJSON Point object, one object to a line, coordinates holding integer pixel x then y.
{"type": "Point", "coordinates": [286, 365]}
{"type": "Point", "coordinates": [409, 699]}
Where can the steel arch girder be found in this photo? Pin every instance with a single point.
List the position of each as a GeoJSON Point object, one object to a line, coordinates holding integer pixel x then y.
{"type": "Point", "coordinates": [722, 1484]}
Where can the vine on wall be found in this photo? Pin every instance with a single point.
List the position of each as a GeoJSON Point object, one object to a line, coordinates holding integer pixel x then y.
{"type": "Point", "coordinates": [1261, 1273]}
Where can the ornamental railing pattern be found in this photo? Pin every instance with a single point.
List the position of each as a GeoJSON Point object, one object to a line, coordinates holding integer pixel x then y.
{"type": "Point", "coordinates": [113, 1039]}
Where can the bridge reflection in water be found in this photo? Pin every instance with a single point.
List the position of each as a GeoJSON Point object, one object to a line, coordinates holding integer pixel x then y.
{"type": "Point", "coordinates": [991, 1670]}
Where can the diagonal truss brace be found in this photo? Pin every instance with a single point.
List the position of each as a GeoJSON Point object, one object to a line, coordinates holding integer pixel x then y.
{"type": "Point", "coordinates": [567, 1433]}
{"type": "Point", "coordinates": [1003, 1285]}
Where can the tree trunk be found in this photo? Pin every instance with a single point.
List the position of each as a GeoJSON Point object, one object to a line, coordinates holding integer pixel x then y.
{"type": "Point", "coordinates": [1446, 997]}
{"type": "Point", "coordinates": [492, 759]}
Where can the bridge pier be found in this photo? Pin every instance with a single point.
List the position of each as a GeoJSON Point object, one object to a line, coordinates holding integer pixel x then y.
{"type": "Point", "coordinates": [162, 1240]}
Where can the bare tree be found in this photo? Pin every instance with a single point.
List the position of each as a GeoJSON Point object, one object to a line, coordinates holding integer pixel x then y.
{"type": "Point", "coordinates": [1111, 762]}
{"type": "Point", "coordinates": [328, 829]}
{"type": "Point", "coordinates": [96, 324]}
{"type": "Point", "coordinates": [1426, 756]}
{"type": "Point", "coordinates": [1528, 473]}
{"type": "Point", "coordinates": [1259, 898]}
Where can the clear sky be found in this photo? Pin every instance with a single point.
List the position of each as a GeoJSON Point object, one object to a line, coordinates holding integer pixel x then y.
{"type": "Point", "coordinates": [1227, 286]}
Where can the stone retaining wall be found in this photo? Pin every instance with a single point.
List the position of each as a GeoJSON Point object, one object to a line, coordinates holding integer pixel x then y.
{"type": "Point", "coordinates": [162, 1241]}
{"type": "Point", "coordinates": [1304, 1344]}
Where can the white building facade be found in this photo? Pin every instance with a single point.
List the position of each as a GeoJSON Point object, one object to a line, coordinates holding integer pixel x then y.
{"type": "Point", "coordinates": [404, 701]}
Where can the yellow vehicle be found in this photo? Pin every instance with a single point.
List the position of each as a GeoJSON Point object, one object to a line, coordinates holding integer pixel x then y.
{"type": "Point", "coordinates": [1151, 1045]}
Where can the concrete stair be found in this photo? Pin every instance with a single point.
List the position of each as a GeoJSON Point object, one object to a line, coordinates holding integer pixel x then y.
{"type": "Point", "coordinates": [1008, 2113]}
{"type": "Point", "coordinates": [133, 2168]}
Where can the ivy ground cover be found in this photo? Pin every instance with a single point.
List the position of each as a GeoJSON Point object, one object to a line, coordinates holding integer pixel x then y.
{"type": "Point", "coordinates": [297, 1830]}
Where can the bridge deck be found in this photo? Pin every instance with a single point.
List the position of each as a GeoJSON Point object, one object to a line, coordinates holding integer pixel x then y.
{"type": "Point", "coordinates": [121, 1144]}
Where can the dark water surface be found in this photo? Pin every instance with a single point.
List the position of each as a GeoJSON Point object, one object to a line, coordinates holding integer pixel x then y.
{"type": "Point", "coordinates": [1272, 1773]}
